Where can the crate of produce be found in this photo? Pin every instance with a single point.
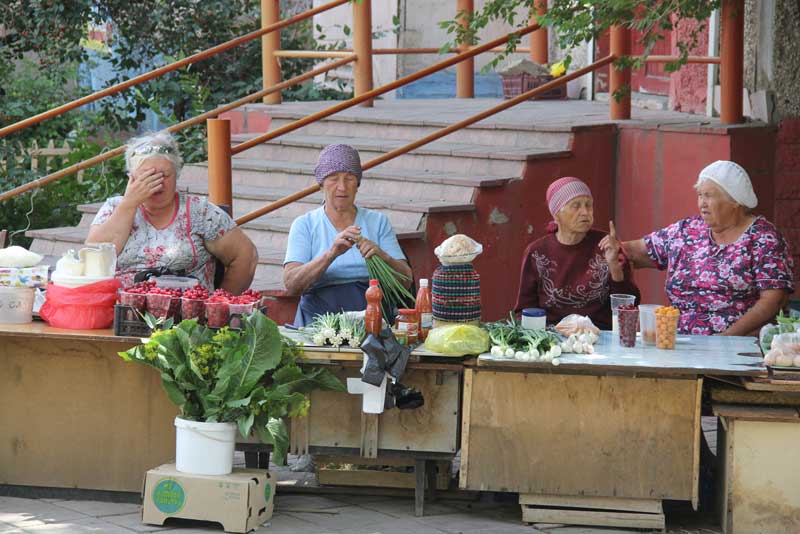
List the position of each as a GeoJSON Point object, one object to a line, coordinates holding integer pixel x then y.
{"type": "Point", "coordinates": [516, 84]}
{"type": "Point", "coordinates": [128, 322]}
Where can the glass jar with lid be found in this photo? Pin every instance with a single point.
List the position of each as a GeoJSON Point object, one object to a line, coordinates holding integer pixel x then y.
{"type": "Point", "coordinates": [407, 323]}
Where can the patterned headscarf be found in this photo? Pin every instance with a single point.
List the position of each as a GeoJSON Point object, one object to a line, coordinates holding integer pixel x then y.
{"type": "Point", "coordinates": [338, 158]}
{"type": "Point", "coordinates": [563, 190]}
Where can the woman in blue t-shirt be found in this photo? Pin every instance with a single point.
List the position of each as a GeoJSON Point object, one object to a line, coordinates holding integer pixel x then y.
{"type": "Point", "coordinates": [327, 246]}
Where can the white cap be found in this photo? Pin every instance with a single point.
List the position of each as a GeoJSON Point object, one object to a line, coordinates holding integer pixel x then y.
{"type": "Point", "coordinates": [423, 282]}
{"type": "Point", "coordinates": [733, 179]}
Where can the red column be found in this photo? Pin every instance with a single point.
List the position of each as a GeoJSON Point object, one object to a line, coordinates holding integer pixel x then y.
{"type": "Point", "coordinates": [220, 190]}
{"type": "Point", "coordinates": [270, 43]}
{"type": "Point", "coordinates": [731, 52]}
{"type": "Point", "coordinates": [362, 46]}
{"type": "Point", "coordinates": [620, 79]}
{"type": "Point", "coordinates": [539, 44]}
{"type": "Point", "coordinates": [465, 71]}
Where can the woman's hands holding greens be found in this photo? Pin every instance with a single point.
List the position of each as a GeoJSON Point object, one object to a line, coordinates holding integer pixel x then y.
{"type": "Point", "coordinates": [345, 240]}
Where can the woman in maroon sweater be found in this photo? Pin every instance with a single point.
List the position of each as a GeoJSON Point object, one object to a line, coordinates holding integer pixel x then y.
{"type": "Point", "coordinates": [566, 271]}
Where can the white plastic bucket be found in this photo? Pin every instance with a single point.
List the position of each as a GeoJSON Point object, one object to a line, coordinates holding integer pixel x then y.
{"type": "Point", "coordinates": [204, 448]}
{"type": "Point", "coordinates": [16, 305]}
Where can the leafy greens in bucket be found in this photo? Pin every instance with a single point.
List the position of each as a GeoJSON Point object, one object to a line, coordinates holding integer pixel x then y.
{"type": "Point", "coordinates": [249, 377]}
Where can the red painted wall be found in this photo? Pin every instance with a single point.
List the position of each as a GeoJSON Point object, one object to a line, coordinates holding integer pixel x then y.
{"type": "Point", "coordinates": [523, 204]}
{"type": "Point", "coordinates": [688, 86]}
{"type": "Point", "coordinates": [787, 188]}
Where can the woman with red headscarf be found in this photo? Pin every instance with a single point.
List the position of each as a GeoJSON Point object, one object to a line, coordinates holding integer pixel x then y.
{"type": "Point", "coordinates": [566, 271]}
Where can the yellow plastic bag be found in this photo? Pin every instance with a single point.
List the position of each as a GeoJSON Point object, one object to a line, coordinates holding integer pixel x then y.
{"type": "Point", "coordinates": [458, 340]}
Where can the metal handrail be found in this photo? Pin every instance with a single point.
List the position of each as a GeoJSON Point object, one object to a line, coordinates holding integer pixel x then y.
{"type": "Point", "coordinates": [72, 169]}
{"type": "Point", "coordinates": [167, 68]}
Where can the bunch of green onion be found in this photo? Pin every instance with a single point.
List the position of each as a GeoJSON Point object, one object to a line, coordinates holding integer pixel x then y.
{"type": "Point", "coordinates": [395, 294]}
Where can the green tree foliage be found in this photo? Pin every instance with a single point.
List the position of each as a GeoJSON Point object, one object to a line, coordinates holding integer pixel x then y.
{"type": "Point", "coordinates": [41, 44]}
{"type": "Point", "coordinates": [575, 23]}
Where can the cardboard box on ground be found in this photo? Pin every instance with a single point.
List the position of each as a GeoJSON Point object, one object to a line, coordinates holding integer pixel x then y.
{"type": "Point", "coordinates": [240, 501]}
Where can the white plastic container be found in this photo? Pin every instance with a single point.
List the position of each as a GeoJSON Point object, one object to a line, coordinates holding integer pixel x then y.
{"type": "Point", "coordinates": [181, 282]}
{"type": "Point", "coordinates": [204, 448]}
{"type": "Point", "coordinates": [16, 305]}
{"type": "Point", "coordinates": [534, 319]}
{"type": "Point", "coordinates": [67, 280]}
{"type": "Point", "coordinates": [373, 397]}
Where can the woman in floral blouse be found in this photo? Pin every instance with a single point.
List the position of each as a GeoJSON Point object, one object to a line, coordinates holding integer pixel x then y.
{"type": "Point", "coordinates": [728, 271]}
{"type": "Point", "coordinates": [154, 226]}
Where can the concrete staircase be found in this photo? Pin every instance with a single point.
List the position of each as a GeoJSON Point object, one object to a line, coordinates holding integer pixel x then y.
{"type": "Point", "coordinates": [418, 191]}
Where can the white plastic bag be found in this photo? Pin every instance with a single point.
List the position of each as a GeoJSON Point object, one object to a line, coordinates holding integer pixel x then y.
{"type": "Point", "coordinates": [785, 351]}
{"type": "Point", "coordinates": [18, 257]}
{"type": "Point", "coordinates": [576, 324]}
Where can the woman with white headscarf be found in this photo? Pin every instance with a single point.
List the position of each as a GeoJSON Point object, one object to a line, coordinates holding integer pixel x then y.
{"type": "Point", "coordinates": [728, 271]}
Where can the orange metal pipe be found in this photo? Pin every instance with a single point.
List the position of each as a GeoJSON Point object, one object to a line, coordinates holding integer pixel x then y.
{"type": "Point", "coordinates": [434, 136]}
{"type": "Point", "coordinates": [194, 58]}
{"type": "Point", "coordinates": [91, 162]}
{"type": "Point", "coordinates": [270, 43]}
{"type": "Point", "coordinates": [436, 67]}
{"type": "Point", "coordinates": [220, 190]}
{"type": "Point", "coordinates": [690, 59]}
{"type": "Point", "coordinates": [620, 80]}
{"type": "Point", "coordinates": [731, 52]}
{"type": "Point", "coordinates": [362, 46]}
{"type": "Point", "coordinates": [465, 71]}
{"type": "Point", "coordinates": [388, 51]}
{"type": "Point", "coordinates": [317, 54]}
{"type": "Point", "coordinates": [539, 43]}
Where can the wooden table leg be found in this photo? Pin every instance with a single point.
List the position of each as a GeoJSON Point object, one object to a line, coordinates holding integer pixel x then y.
{"type": "Point", "coordinates": [419, 487]}
{"type": "Point", "coordinates": [431, 471]}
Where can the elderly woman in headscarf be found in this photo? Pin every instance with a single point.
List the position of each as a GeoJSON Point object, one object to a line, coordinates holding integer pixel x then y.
{"type": "Point", "coordinates": [567, 271]}
{"type": "Point", "coordinates": [156, 228]}
{"type": "Point", "coordinates": [728, 271]}
{"type": "Point", "coordinates": [325, 257]}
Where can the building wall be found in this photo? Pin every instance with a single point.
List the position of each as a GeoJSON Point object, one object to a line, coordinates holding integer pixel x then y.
{"type": "Point", "coordinates": [772, 58]}
{"type": "Point", "coordinates": [419, 28]}
{"type": "Point", "coordinates": [787, 187]}
{"type": "Point", "coordinates": [689, 85]}
{"type": "Point", "coordinates": [332, 22]}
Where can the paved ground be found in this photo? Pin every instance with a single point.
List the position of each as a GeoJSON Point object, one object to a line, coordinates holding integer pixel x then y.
{"type": "Point", "coordinates": [299, 514]}
{"type": "Point", "coordinates": [324, 514]}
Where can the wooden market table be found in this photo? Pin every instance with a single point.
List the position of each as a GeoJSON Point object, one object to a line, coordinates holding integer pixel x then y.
{"type": "Point", "coordinates": [758, 486]}
{"type": "Point", "coordinates": [73, 414]}
{"type": "Point", "coordinates": [600, 439]}
{"type": "Point", "coordinates": [336, 426]}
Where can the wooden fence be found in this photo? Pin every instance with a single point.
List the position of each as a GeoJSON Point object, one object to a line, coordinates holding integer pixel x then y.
{"type": "Point", "coordinates": [41, 155]}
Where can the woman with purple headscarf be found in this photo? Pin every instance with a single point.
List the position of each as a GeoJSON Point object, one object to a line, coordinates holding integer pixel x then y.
{"type": "Point", "coordinates": [324, 261]}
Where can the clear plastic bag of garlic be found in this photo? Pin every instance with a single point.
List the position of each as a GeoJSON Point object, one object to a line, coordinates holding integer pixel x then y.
{"type": "Point", "coordinates": [785, 351]}
{"type": "Point", "coordinates": [580, 333]}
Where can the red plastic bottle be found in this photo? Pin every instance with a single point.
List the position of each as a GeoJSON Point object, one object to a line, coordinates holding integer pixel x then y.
{"type": "Point", "coordinates": [424, 309]}
{"type": "Point", "coordinates": [373, 317]}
